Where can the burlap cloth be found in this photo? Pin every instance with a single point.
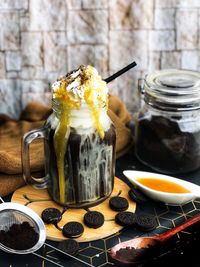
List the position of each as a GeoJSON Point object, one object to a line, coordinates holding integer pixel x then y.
{"type": "Point", "coordinates": [33, 116]}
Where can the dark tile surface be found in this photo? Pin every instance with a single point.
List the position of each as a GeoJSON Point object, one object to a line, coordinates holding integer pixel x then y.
{"type": "Point", "coordinates": [182, 250]}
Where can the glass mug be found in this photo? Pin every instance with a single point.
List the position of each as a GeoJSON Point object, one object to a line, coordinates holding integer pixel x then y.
{"type": "Point", "coordinates": [89, 161]}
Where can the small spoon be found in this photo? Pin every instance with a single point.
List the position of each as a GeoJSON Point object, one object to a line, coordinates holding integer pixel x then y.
{"type": "Point", "coordinates": [139, 249]}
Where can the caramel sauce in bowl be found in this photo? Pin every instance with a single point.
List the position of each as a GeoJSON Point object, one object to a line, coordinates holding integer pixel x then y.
{"type": "Point", "coordinates": [163, 185]}
{"type": "Point", "coordinates": [163, 188]}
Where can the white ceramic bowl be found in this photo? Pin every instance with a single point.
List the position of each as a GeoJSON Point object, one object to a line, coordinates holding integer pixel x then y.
{"type": "Point", "coordinates": [168, 198]}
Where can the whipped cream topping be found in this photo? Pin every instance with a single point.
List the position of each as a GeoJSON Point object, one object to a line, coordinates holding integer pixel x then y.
{"type": "Point", "coordinates": [80, 86]}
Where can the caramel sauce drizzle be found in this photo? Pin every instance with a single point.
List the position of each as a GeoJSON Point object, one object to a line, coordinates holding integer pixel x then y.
{"type": "Point", "coordinates": [60, 143]}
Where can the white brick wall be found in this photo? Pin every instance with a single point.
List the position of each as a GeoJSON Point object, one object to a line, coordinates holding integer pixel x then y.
{"type": "Point", "coordinates": [164, 19]}
{"type": "Point", "coordinates": [187, 28]}
{"type": "Point", "coordinates": [190, 59]}
{"type": "Point", "coordinates": [88, 26]}
{"type": "Point", "coordinates": [170, 60]}
{"type": "Point", "coordinates": [161, 40]}
{"type": "Point", "coordinates": [43, 39]}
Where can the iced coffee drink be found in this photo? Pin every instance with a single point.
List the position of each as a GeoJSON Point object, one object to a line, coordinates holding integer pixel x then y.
{"type": "Point", "coordinates": [80, 140]}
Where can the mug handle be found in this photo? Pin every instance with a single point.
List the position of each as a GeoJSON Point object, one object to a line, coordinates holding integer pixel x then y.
{"type": "Point", "coordinates": [27, 139]}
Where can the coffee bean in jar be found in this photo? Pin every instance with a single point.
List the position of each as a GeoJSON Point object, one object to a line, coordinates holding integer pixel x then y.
{"type": "Point", "coordinates": [167, 132]}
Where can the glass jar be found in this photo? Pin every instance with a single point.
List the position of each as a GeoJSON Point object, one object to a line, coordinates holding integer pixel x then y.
{"type": "Point", "coordinates": [89, 161]}
{"type": "Point", "coordinates": [167, 130]}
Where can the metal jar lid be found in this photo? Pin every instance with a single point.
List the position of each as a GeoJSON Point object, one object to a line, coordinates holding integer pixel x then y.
{"type": "Point", "coordinates": [173, 89]}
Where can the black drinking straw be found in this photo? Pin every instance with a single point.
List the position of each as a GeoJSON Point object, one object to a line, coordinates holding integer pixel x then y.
{"type": "Point", "coordinates": [120, 72]}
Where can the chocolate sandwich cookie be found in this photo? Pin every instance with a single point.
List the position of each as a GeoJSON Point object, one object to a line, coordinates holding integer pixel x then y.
{"type": "Point", "coordinates": [118, 203]}
{"type": "Point", "coordinates": [94, 219]}
{"type": "Point", "coordinates": [72, 229]}
{"type": "Point", "coordinates": [69, 246]}
{"type": "Point", "coordinates": [51, 215]}
{"type": "Point", "coordinates": [137, 196]}
{"type": "Point", "coordinates": [145, 222]}
{"type": "Point", "coordinates": [125, 218]}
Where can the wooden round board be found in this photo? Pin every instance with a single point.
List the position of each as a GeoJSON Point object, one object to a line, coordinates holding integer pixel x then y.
{"type": "Point", "coordinates": [39, 199]}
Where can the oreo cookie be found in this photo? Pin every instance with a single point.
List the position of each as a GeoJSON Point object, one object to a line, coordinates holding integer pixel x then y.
{"type": "Point", "coordinates": [93, 219]}
{"type": "Point", "coordinates": [69, 246]}
{"type": "Point", "coordinates": [51, 215]}
{"type": "Point", "coordinates": [72, 229]}
{"type": "Point", "coordinates": [145, 222]}
{"type": "Point", "coordinates": [118, 203]}
{"type": "Point", "coordinates": [125, 218]}
{"type": "Point", "coordinates": [137, 196]}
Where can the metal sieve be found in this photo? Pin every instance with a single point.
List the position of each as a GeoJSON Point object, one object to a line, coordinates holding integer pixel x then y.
{"type": "Point", "coordinates": [16, 214]}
